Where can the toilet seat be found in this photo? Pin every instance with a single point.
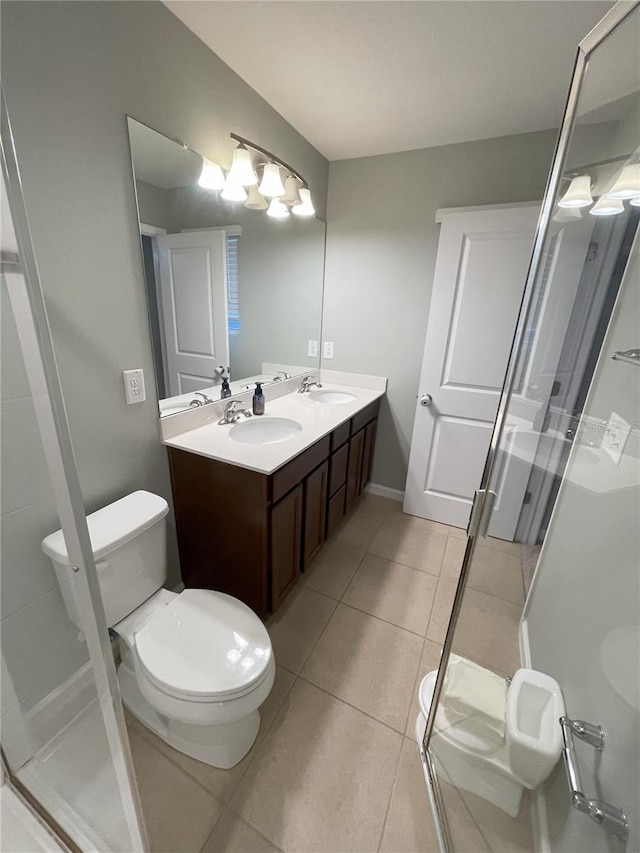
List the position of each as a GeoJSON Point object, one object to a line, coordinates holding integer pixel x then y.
{"type": "Point", "coordinates": [204, 646]}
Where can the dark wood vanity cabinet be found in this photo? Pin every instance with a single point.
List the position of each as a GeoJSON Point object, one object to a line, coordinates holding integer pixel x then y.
{"type": "Point", "coordinates": [286, 544]}
{"type": "Point", "coordinates": [250, 534]}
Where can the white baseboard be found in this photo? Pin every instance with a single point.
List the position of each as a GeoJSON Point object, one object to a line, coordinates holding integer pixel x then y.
{"type": "Point", "coordinates": [385, 492]}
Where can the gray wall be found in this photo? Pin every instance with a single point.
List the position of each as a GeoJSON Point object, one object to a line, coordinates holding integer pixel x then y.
{"type": "Point", "coordinates": [154, 205]}
{"type": "Point", "coordinates": [381, 248]}
{"type": "Point", "coordinates": [71, 71]}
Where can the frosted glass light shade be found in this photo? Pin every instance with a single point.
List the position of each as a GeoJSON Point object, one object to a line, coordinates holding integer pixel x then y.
{"type": "Point", "coordinates": [578, 194]}
{"type": "Point", "coordinates": [635, 201]}
{"type": "Point", "coordinates": [271, 183]}
{"type": "Point", "coordinates": [291, 193]}
{"type": "Point", "coordinates": [233, 191]}
{"type": "Point", "coordinates": [606, 206]}
{"type": "Point", "coordinates": [211, 176]}
{"type": "Point", "coordinates": [628, 183]}
{"type": "Point", "coordinates": [255, 200]}
{"type": "Point", "coordinates": [306, 208]}
{"type": "Point", "coordinates": [277, 209]}
{"type": "Point", "coordinates": [241, 171]}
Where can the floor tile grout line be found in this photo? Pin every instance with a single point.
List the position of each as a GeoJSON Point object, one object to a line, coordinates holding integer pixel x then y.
{"type": "Point", "coordinates": [415, 685]}
{"type": "Point", "coordinates": [406, 565]}
{"type": "Point", "coordinates": [391, 792]}
{"type": "Point", "coordinates": [380, 619]}
{"type": "Point", "coordinates": [350, 705]}
{"type": "Point", "coordinates": [238, 816]}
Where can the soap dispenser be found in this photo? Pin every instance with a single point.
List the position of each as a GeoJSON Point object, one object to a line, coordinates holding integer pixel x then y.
{"type": "Point", "coordinates": [258, 400]}
{"type": "Point", "coordinates": [225, 391]}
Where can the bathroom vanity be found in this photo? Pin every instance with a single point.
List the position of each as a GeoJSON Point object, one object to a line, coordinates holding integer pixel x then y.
{"type": "Point", "coordinates": [250, 518]}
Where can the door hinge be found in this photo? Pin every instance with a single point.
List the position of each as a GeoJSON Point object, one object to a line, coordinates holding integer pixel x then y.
{"type": "Point", "coordinates": [527, 498]}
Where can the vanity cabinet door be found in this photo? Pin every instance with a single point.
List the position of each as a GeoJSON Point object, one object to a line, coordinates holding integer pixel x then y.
{"type": "Point", "coordinates": [286, 544]}
{"type": "Point", "coordinates": [335, 510]}
{"type": "Point", "coordinates": [367, 461]}
{"type": "Point", "coordinates": [315, 512]}
{"type": "Point", "coordinates": [354, 469]}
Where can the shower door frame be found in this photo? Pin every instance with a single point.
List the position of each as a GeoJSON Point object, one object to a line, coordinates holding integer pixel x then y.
{"type": "Point", "coordinates": [34, 333]}
{"type": "Point", "coordinates": [481, 508]}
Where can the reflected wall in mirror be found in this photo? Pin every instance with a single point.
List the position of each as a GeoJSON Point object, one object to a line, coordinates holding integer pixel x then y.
{"type": "Point", "coordinates": [234, 296]}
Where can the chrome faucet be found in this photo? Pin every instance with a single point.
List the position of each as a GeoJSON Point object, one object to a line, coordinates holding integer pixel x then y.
{"type": "Point", "coordinates": [202, 402]}
{"type": "Point", "coordinates": [232, 414]}
{"type": "Point", "coordinates": [278, 378]}
{"type": "Point", "coordinates": [307, 383]}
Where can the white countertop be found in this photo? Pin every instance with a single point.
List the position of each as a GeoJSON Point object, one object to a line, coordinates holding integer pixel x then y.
{"type": "Point", "coordinates": [317, 420]}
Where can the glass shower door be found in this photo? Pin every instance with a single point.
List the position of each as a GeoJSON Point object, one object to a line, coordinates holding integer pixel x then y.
{"type": "Point", "coordinates": [546, 619]}
{"type": "Point", "coordinates": [63, 732]}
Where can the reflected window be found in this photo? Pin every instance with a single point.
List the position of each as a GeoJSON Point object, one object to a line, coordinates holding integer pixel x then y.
{"type": "Point", "coordinates": [233, 302]}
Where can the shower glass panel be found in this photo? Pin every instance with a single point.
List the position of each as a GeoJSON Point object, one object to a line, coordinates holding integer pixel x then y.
{"type": "Point", "coordinates": [63, 733]}
{"type": "Point", "coordinates": [546, 618]}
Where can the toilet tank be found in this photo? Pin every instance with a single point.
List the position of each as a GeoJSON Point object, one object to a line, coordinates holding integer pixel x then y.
{"type": "Point", "coordinates": [128, 538]}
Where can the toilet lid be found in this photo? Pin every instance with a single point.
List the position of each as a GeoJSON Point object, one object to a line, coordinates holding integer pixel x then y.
{"type": "Point", "coordinates": [204, 644]}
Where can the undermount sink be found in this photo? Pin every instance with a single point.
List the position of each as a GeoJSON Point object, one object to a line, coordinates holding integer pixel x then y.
{"type": "Point", "coordinates": [328, 396]}
{"type": "Point", "coordinates": [265, 430]}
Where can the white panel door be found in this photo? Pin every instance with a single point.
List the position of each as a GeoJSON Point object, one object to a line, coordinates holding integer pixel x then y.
{"type": "Point", "coordinates": [193, 292]}
{"type": "Point", "coordinates": [483, 256]}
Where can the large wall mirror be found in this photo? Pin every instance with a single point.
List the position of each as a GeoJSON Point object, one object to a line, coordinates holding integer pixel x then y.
{"type": "Point", "coordinates": [233, 294]}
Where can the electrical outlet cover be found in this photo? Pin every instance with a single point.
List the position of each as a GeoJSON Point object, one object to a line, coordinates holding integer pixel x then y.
{"type": "Point", "coordinates": [615, 436]}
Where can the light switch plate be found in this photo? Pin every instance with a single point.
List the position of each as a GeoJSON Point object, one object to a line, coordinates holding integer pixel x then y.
{"type": "Point", "coordinates": [615, 436]}
{"type": "Point", "coordinates": [134, 386]}
{"type": "Point", "coordinates": [327, 349]}
{"type": "Point", "coordinates": [312, 349]}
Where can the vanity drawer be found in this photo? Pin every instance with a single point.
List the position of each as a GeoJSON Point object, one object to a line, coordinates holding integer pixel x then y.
{"type": "Point", "coordinates": [294, 472]}
{"type": "Point", "coordinates": [340, 435]}
{"type": "Point", "coordinates": [338, 469]}
{"type": "Point", "coordinates": [335, 510]}
{"type": "Point", "coordinates": [363, 417]}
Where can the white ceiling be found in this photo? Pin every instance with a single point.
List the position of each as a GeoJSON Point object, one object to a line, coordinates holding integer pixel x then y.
{"type": "Point", "coordinates": [363, 78]}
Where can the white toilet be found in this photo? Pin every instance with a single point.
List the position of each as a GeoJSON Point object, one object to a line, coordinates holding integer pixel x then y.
{"type": "Point", "coordinates": [197, 665]}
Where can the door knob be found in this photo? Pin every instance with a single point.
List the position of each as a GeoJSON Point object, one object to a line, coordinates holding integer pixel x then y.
{"type": "Point", "coordinates": [426, 400]}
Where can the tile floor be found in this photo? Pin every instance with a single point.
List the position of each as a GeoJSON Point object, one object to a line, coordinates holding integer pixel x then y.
{"type": "Point", "coordinates": [335, 766]}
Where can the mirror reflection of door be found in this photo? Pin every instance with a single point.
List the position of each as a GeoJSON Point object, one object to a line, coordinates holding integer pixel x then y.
{"type": "Point", "coordinates": [193, 288]}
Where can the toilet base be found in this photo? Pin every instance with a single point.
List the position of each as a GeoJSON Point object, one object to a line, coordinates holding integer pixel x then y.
{"type": "Point", "coordinates": [221, 746]}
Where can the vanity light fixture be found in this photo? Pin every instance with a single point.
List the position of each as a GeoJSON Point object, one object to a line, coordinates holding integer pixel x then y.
{"type": "Point", "coordinates": [271, 184]}
{"type": "Point", "coordinates": [306, 208]}
{"type": "Point", "coordinates": [606, 206]}
{"type": "Point", "coordinates": [291, 194]}
{"type": "Point", "coordinates": [255, 200]}
{"type": "Point", "coordinates": [211, 176]}
{"type": "Point", "coordinates": [635, 201]}
{"type": "Point", "coordinates": [278, 209]}
{"type": "Point", "coordinates": [627, 185]}
{"type": "Point", "coordinates": [242, 171]}
{"type": "Point", "coordinates": [233, 192]}
{"type": "Point", "coordinates": [578, 194]}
